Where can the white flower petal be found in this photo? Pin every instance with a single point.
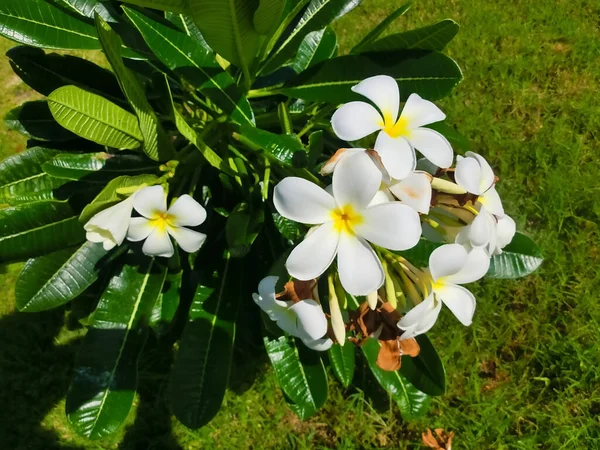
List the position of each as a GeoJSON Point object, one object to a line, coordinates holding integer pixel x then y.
{"type": "Point", "coordinates": [433, 146]}
{"type": "Point", "coordinates": [468, 174]}
{"type": "Point", "coordinates": [319, 345]}
{"type": "Point", "coordinates": [139, 229]}
{"type": "Point", "coordinates": [505, 231]}
{"type": "Point", "coordinates": [382, 196]}
{"type": "Point", "coordinates": [482, 229]}
{"type": "Point", "coordinates": [187, 212]}
{"type": "Point", "coordinates": [420, 112]}
{"type": "Point", "coordinates": [391, 225]}
{"type": "Point", "coordinates": [447, 260]}
{"type": "Point", "coordinates": [487, 177]}
{"type": "Point", "coordinates": [311, 319]}
{"type": "Point", "coordinates": [415, 190]}
{"type": "Point", "coordinates": [397, 155]}
{"type": "Point", "coordinates": [302, 201]}
{"type": "Point", "coordinates": [110, 225]}
{"type": "Point", "coordinates": [474, 268]}
{"type": "Point", "coordinates": [266, 298]}
{"type": "Point", "coordinates": [158, 244]}
{"type": "Point", "coordinates": [331, 164]}
{"type": "Point", "coordinates": [356, 180]}
{"type": "Point", "coordinates": [460, 301]}
{"type": "Point", "coordinates": [421, 318]}
{"type": "Point", "coordinates": [150, 200]}
{"type": "Point", "coordinates": [355, 120]}
{"type": "Point", "coordinates": [314, 254]}
{"type": "Point", "coordinates": [287, 320]}
{"type": "Point", "coordinates": [359, 267]}
{"type": "Point", "coordinates": [188, 240]}
{"type": "Point", "coordinates": [491, 202]}
{"type": "Point", "coordinates": [383, 91]}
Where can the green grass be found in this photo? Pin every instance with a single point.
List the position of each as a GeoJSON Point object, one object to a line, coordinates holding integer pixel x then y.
{"type": "Point", "coordinates": [523, 376]}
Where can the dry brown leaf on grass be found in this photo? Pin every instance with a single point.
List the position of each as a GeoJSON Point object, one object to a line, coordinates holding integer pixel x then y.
{"type": "Point", "coordinates": [442, 440]}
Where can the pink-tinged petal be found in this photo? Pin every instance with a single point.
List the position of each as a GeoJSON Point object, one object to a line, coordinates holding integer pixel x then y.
{"type": "Point", "coordinates": [474, 268]}
{"type": "Point", "coordinates": [397, 155]}
{"type": "Point", "coordinates": [491, 202]}
{"type": "Point", "coordinates": [355, 120]}
{"type": "Point", "coordinates": [447, 260]}
{"type": "Point", "coordinates": [302, 201]}
{"type": "Point", "coordinates": [150, 200]}
{"type": "Point", "coordinates": [319, 345]}
{"type": "Point", "coordinates": [468, 174]}
{"type": "Point", "coordinates": [359, 267]}
{"type": "Point", "coordinates": [139, 229]}
{"type": "Point", "coordinates": [356, 180]}
{"type": "Point", "coordinates": [188, 240]}
{"type": "Point", "coordinates": [331, 164]}
{"type": "Point", "coordinates": [421, 318]}
{"type": "Point", "coordinates": [187, 212]}
{"type": "Point", "coordinates": [419, 112]}
{"type": "Point", "coordinates": [383, 91]}
{"type": "Point", "coordinates": [158, 244]}
{"type": "Point", "coordinates": [391, 225]}
{"type": "Point", "coordinates": [311, 319]}
{"type": "Point", "coordinates": [314, 254]}
{"type": "Point", "coordinates": [415, 191]}
{"type": "Point", "coordinates": [487, 177]}
{"type": "Point", "coordinates": [433, 146]}
{"type": "Point", "coordinates": [460, 301]}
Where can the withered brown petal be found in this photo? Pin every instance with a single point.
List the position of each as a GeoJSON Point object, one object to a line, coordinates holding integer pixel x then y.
{"type": "Point", "coordinates": [410, 347]}
{"type": "Point", "coordinates": [388, 357]}
{"type": "Point", "coordinates": [430, 441]}
{"type": "Point", "coordinates": [297, 290]}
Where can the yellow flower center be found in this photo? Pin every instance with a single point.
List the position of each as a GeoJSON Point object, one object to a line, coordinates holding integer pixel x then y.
{"type": "Point", "coordinates": [345, 219]}
{"type": "Point", "coordinates": [161, 220]}
{"type": "Point", "coordinates": [395, 129]}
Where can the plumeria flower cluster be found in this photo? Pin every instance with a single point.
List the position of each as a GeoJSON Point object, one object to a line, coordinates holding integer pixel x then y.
{"type": "Point", "coordinates": [155, 225]}
{"type": "Point", "coordinates": [377, 205]}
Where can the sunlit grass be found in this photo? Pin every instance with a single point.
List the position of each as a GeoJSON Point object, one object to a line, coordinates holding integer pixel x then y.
{"type": "Point", "coordinates": [524, 376]}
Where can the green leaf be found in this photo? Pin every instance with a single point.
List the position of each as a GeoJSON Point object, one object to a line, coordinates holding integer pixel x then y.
{"type": "Point", "coordinates": [316, 146]}
{"type": "Point", "coordinates": [37, 228]}
{"type": "Point", "coordinates": [290, 230]}
{"type": "Point", "coordinates": [109, 195]}
{"type": "Point", "coordinates": [425, 371]}
{"type": "Point", "coordinates": [34, 120]}
{"type": "Point", "coordinates": [432, 37]}
{"type": "Point", "coordinates": [47, 72]}
{"type": "Point", "coordinates": [316, 47]}
{"type": "Point", "coordinates": [89, 8]}
{"type": "Point", "coordinates": [300, 373]}
{"type": "Point", "coordinates": [52, 280]}
{"type": "Point", "coordinates": [267, 15]}
{"type": "Point", "coordinates": [103, 388]}
{"type": "Point", "coordinates": [317, 15]}
{"type": "Point", "coordinates": [105, 166]}
{"type": "Point", "coordinates": [412, 402]}
{"type": "Point", "coordinates": [166, 304]}
{"type": "Point", "coordinates": [94, 118]}
{"type": "Point", "coordinates": [156, 142]}
{"type": "Point", "coordinates": [242, 228]}
{"type": "Point", "coordinates": [176, 6]}
{"type": "Point", "coordinates": [203, 363]}
{"type": "Point", "coordinates": [518, 259]}
{"type": "Point", "coordinates": [432, 75]}
{"type": "Point", "coordinates": [376, 32]}
{"type": "Point", "coordinates": [193, 62]}
{"type": "Point", "coordinates": [41, 24]}
{"type": "Point", "coordinates": [286, 149]}
{"type": "Point", "coordinates": [22, 178]}
{"type": "Point", "coordinates": [342, 360]}
{"type": "Point", "coordinates": [419, 254]}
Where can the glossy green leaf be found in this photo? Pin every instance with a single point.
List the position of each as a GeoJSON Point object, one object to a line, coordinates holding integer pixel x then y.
{"type": "Point", "coordinates": [267, 15]}
{"type": "Point", "coordinates": [34, 120]}
{"type": "Point", "coordinates": [156, 143]}
{"type": "Point", "coordinates": [176, 6]}
{"type": "Point", "coordinates": [103, 388]}
{"type": "Point", "coordinates": [46, 72]}
{"type": "Point", "coordinates": [110, 196]}
{"type": "Point", "coordinates": [300, 373]}
{"type": "Point", "coordinates": [203, 363]}
{"type": "Point", "coordinates": [316, 146]}
{"type": "Point", "coordinates": [432, 75]}
{"type": "Point", "coordinates": [379, 29]}
{"type": "Point", "coordinates": [167, 303]}
{"type": "Point", "coordinates": [286, 149]}
{"type": "Point", "coordinates": [342, 359]}
{"type": "Point", "coordinates": [94, 118]}
{"type": "Point", "coordinates": [191, 60]}
{"type": "Point", "coordinates": [419, 254]}
{"type": "Point", "coordinates": [412, 402]}
{"type": "Point", "coordinates": [316, 47]}
{"type": "Point", "coordinates": [432, 37]}
{"type": "Point", "coordinates": [89, 8]}
{"type": "Point", "coordinates": [54, 279]}
{"type": "Point", "coordinates": [290, 230]}
{"type": "Point", "coordinates": [37, 228]}
{"type": "Point", "coordinates": [42, 24]}
{"type": "Point", "coordinates": [243, 226]}
{"type": "Point", "coordinates": [518, 259]}
{"type": "Point", "coordinates": [317, 15]}
{"type": "Point", "coordinates": [425, 371]}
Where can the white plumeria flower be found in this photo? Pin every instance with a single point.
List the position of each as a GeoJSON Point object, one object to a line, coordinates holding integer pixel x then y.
{"type": "Point", "coordinates": [157, 223]}
{"type": "Point", "coordinates": [110, 225]}
{"type": "Point", "coordinates": [345, 223]}
{"type": "Point", "coordinates": [398, 136]}
{"type": "Point", "coordinates": [304, 320]}
{"type": "Point", "coordinates": [488, 232]}
{"type": "Point", "coordinates": [450, 266]}
{"type": "Point", "coordinates": [474, 174]}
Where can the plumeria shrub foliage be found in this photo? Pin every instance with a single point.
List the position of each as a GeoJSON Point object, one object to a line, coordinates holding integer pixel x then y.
{"type": "Point", "coordinates": [230, 155]}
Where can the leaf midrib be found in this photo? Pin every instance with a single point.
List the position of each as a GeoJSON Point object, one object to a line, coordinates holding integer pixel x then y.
{"type": "Point", "coordinates": [66, 30]}
{"type": "Point", "coordinates": [32, 230]}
